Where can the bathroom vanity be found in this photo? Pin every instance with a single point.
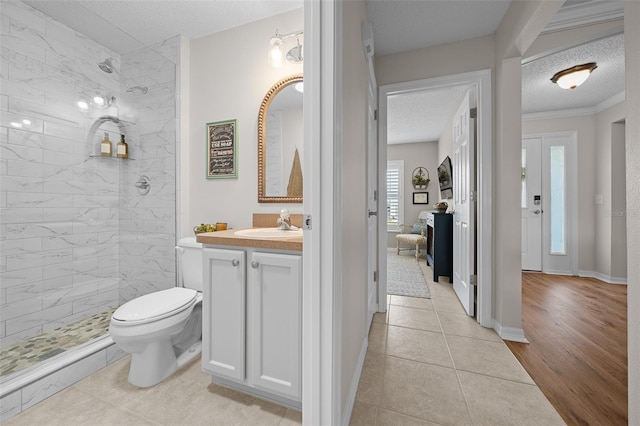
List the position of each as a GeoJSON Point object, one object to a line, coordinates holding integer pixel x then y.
{"type": "Point", "coordinates": [251, 336]}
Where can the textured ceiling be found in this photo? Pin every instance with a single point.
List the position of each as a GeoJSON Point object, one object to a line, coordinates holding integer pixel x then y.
{"type": "Point", "coordinates": [421, 116]}
{"type": "Point", "coordinates": [540, 94]}
{"type": "Point", "coordinates": [403, 25]}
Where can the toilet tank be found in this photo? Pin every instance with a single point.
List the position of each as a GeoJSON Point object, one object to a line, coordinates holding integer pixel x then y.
{"type": "Point", "coordinates": [190, 263]}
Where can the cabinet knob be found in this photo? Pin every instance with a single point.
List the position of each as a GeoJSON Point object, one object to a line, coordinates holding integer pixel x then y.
{"type": "Point", "coordinates": [255, 264]}
{"type": "Point", "coordinates": [235, 262]}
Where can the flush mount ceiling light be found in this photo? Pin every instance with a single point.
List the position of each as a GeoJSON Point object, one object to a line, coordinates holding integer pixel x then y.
{"type": "Point", "coordinates": [574, 76]}
{"type": "Point", "coordinates": [276, 49]}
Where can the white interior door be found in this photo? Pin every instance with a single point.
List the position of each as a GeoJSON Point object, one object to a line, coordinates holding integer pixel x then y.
{"type": "Point", "coordinates": [531, 203]}
{"type": "Point", "coordinates": [464, 205]}
{"type": "Point", "coordinates": [372, 204]}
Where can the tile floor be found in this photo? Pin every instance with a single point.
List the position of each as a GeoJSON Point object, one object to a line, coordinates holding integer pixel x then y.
{"type": "Point", "coordinates": [427, 364]}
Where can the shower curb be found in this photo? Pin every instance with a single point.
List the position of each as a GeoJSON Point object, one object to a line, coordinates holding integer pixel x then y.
{"type": "Point", "coordinates": [24, 390]}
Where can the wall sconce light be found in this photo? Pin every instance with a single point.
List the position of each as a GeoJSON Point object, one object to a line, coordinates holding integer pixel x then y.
{"type": "Point", "coordinates": [574, 76]}
{"type": "Point", "coordinates": [276, 49]}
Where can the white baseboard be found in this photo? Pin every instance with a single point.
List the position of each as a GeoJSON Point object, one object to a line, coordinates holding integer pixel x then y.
{"type": "Point", "coordinates": [602, 277]}
{"type": "Point", "coordinates": [351, 399]}
{"type": "Point", "coordinates": [512, 334]}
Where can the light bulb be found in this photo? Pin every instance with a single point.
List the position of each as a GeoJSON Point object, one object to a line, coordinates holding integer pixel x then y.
{"type": "Point", "coordinates": [83, 105]}
{"type": "Point", "coordinates": [299, 87]}
{"type": "Point", "coordinates": [573, 80]}
{"type": "Point", "coordinates": [276, 53]}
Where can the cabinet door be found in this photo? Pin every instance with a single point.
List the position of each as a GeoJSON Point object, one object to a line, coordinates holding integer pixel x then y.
{"type": "Point", "coordinates": [223, 328]}
{"type": "Point", "coordinates": [274, 332]}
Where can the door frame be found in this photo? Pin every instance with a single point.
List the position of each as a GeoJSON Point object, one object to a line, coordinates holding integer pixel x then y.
{"type": "Point", "coordinates": [481, 80]}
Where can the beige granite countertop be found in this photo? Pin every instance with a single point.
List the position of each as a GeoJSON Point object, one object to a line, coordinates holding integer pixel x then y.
{"type": "Point", "coordinates": [228, 238]}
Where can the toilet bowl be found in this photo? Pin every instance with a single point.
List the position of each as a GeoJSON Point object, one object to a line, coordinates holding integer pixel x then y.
{"type": "Point", "coordinates": [162, 330]}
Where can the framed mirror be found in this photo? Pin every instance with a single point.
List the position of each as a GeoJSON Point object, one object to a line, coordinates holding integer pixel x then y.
{"type": "Point", "coordinates": [280, 143]}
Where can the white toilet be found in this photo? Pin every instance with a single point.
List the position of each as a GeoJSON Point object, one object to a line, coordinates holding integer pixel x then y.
{"type": "Point", "coordinates": [163, 330]}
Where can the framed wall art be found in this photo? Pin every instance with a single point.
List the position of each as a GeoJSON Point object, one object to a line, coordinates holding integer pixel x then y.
{"type": "Point", "coordinates": [420, 198]}
{"type": "Point", "coordinates": [222, 158]}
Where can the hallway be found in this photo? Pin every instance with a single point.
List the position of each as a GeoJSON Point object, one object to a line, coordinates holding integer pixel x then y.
{"type": "Point", "coordinates": [429, 363]}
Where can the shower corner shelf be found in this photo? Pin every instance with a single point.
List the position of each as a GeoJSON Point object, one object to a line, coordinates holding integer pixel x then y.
{"type": "Point", "coordinates": [111, 157]}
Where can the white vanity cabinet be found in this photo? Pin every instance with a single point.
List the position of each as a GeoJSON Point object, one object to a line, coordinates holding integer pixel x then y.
{"type": "Point", "coordinates": [252, 320]}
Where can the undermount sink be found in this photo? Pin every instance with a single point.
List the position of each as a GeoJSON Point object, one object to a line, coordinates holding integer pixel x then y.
{"type": "Point", "coordinates": [268, 233]}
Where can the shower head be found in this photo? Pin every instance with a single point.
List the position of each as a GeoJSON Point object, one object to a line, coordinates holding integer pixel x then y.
{"type": "Point", "coordinates": [106, 65]}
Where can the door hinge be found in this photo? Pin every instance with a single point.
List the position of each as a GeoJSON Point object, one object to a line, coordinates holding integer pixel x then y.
{"type": "Point", "coordinates": [375, 114]}
{"type": "Point", "coordinates": [375, 195]}
{"type": "Point", "coordinates": [473, 196]}
{"type": "Point", "coordinates": [375, 276]}
{"type": "Point", "coordinates": [306, 221]}
{"type": "Point", "coordinates": [473, 280]}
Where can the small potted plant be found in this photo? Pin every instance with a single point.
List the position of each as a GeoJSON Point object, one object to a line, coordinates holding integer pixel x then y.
{"type": "Point", "coordinates": [420, 179]}
{"type": "Point", "coordinates": [204, 227]}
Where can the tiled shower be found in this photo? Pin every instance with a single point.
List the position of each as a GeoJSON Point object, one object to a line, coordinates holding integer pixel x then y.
{"type": "Point", "coordinates": [77, 236]}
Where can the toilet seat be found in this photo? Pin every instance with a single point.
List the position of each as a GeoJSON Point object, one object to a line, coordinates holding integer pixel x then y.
{"type": "Point", "coordinates": [155, 306]}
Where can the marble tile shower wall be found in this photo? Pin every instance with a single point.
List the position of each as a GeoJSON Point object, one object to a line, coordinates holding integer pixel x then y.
{"type": "Point", "coordinates": [147, 223]}
{"type": "Point", "coordinates": [73, 228]}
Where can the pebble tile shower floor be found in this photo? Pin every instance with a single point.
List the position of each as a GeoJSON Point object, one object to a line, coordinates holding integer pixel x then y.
{"type": "Point", "coordinates": [35, 349]}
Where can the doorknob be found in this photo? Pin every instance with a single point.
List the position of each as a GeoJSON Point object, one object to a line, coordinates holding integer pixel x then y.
{"type": "Point", "coordinates": [372, 213]}
{"type": "Point", "coordinates": [537, 212]}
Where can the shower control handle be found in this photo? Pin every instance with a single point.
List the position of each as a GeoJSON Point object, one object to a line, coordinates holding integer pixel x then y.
{"type": "Point", "coordinates": [235, 262]}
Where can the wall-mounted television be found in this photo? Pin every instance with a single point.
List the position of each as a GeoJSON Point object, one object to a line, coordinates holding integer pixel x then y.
{"type": "Point", "coordinates": [445, 178]}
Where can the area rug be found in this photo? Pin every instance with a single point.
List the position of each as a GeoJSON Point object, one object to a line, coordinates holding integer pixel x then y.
{"type": "Point", "coordinates": [404, 276]}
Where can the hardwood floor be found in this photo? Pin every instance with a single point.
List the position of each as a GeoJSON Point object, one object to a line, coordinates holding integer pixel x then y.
{"type": "Point", "coordinates": [577, 329]}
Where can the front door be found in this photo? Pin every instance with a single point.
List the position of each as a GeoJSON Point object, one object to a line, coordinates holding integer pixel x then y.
{"type": "Point", "coordinates": [464, 205]}
{"type": "Point", "coordinates": [531, 204]}
{"type": "Point", "coordinates": [549, 214]}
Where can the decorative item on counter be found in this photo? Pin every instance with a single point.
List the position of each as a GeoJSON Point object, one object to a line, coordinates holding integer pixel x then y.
{"type": "Point", "coordinates": [123, 148]}
{"type": "Point", "coordinates": [420, 178]}
{"type": "Point", "coordinates": [221, 226]}
{"type": "Point", "coordinates": [105, 146]}
{"type": "Point", "coordinates": [441, 207]}
{"type": "Point", "coordinates": [208, 227]}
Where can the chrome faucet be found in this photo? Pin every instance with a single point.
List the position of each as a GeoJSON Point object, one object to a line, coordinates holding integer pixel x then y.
{"type": "Point", "coordinates": [284, 220]}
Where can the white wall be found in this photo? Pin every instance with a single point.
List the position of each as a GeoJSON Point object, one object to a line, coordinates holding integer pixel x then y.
{"type": "Point", "coordinates": [605, 244]}
{"type": "Point", "coordinates": [354, 201]}
{"type": "Point", "coordinates": [229, 77]}
{"type": "Point", "coordinates": [618, 203]}
{"type": "Point", "coordinates": [632, 141]}
{"type": "Point", "coordinates": [421, 154]}
{"type": "Point", "coordinates": [446, 59]}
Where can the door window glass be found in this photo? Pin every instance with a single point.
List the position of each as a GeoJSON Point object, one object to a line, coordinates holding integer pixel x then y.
{"type": "Point", "coordinates": [523, 200]}
{"type": "Point", "coordinates": [557, 200]}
